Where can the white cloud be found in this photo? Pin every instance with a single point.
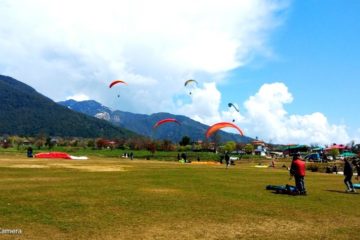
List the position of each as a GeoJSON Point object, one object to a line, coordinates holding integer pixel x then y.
{"type": "Point", "coordinates": [267, 118]}
{"type": "Point", "coordinates": [79, 97]}
{"type": "Point", "coordinates": [264, 115]}
{"type": "Point", "coordinates": [63, 48]}
{"type": "Point", "coordinates": [204, 105]}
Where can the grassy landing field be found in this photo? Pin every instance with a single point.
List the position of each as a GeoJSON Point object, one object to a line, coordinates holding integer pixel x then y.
{"type": "Point", "coordinates": [107, 198]}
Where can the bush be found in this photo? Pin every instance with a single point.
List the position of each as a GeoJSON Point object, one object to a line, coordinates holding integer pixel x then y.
{"type": "Point", "coordinates": [313, 167]}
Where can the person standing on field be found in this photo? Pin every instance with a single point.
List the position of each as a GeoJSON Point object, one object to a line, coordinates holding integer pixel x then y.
{"type": "Point", "coordinates": [227, 159]}
{"type": "Point", "coordinates": [348, 173]}
{"type": "Point", "coordinates": [297, 170]}
{"type": "Point", "coordinates": [357, 167]}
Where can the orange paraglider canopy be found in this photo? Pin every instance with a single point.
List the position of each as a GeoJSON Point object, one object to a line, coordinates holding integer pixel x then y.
{"type": "Point", "coordinates": [220, 125]}
{"type": "Point", "coordinates": [165, 121]}
{"type": "Point", "coordinates": [116, 82]}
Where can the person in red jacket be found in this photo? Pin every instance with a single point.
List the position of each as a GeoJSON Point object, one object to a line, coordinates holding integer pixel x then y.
{"type": "Point", "coordinates": [297, 170]}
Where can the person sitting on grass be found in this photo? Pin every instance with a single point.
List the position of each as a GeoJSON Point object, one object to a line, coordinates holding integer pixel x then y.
{"type": "Point", "coordinates": [335, 169]}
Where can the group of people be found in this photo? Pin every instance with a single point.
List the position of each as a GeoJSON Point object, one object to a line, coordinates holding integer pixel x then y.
{"type": "Point", "coordinates": [227, 159]}
{"type": "Point", "coordinates": [128, 155]}
{"type": "Point", "coordinates": [333, 169]}
{"type": "Point", "coordinates": [298, 168]}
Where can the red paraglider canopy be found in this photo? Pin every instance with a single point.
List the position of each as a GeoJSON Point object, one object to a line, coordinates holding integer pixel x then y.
{"type": "Point", "coordinates": [165, 121]}
{"type": "Point", "coordinates": [116, 82]}
{"type": "Point", "coordinates": [220, 125]}
{"type": "Point", "coordinates": [53, 155]}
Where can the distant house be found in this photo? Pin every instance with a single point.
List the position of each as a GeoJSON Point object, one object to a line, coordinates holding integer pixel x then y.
{"type": "Point", "coordinates": [291, 149]}
{"type": "Point", "coordinates": [54, 141]}
{"type": "Point", "coordinates": [26, 142]}
{"type": "Point", "coordinates": [340, 147]}
{"type": "Point", "coordinates": [260, 147]}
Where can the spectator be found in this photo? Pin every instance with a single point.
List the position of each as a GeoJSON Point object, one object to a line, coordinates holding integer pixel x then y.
{"type": "Point", "coordinates": [297, 170]}
{"type": "Point", "coordinates": [29, 152]}
{"type": "Point", "coordinates": [335, 169]}
{"type": "Point", "coordinates": [357, 166]}
{"type": "Point", "coordinates": [227, 159]}
{"type": "Point", "coordinates": [348, 173]}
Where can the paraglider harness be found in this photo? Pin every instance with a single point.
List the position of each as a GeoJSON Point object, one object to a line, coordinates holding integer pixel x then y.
{"type": "Point", "coordinates": [283, 189]}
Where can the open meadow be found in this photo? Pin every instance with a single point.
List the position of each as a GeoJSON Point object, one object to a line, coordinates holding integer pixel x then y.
{"type": "Point", "coordinates": [114, 198]}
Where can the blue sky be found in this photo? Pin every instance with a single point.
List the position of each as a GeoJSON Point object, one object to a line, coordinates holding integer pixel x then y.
{"type": "Point", "coordinates": [292, 67]}
{"type": "Point", "coordinates": [317, 55]}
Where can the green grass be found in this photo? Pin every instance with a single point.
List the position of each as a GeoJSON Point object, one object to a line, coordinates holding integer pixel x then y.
{"type": "Point", "coordinates": [167, 200]}
{"type": "Point", "coordinates": [116, 153]}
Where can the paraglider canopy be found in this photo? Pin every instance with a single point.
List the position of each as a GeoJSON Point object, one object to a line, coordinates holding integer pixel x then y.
{"type": "Point", "coordinates": [234, 106]}
{"type": "Point", "coordinates": [190, 84]}
{"type": "Point", "coordinates": [220, 125]}
{"type": "Point", "coordinates": [166, 120]}
{"type": "Point", "coordinates": [116, 82]}
{"type": "Point", "coordinates": [190, 81]}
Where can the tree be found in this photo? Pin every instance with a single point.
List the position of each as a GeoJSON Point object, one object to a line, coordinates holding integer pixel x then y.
{"type": "Point", "coordinates": [39, 143]}
{"type": "Point", "coordinates": [334, 152]}
{"type": "Point", "coordinates": [101, 143]}
{"type": "Point", "coordinates": [185, 141]}
{"type": "Point", "coordinates": [40, 140]}
{"type": "Point", "coordinates": [166, 145]}
{"type": "Point", "coordinates": [249, 148]}
{"type": "Point", "coordinates": [91, 143]}
{"type": "Point", "coordinates": [16, 140]}
{"type": "Point", "coordinates": [151, 147]}
{"type": "Point", "coordinates": [230, 146]}
{"type": "Point", "coordinates": [216, 139]}
{"type": "Point", "coordinates": [49, 143]}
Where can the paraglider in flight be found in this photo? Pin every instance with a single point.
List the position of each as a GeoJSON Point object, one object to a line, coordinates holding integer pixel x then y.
{"type": "Point", "coordinates": [116, 82]}
{"type": "Point", "coordinates": [165, 121]}
{"type": "Point", "coordinates": [220, 125]}
{"type": "Point", "coordinates": [190, 84]}
{"type": "Point", "coordinates": [235, 107]}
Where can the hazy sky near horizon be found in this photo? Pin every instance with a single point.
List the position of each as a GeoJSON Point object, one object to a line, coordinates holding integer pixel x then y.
{"type": "Point", "coordinates": [292, 67]}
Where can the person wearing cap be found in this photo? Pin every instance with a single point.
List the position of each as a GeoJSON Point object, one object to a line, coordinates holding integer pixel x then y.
{"type": "Point", "coordinates": [297, 170]}
{"type": "Point", "coordinates": [348, 173]}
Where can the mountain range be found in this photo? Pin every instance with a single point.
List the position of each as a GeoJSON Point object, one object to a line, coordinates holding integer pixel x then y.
{"type": "Point", "coordinates": [25, 112]}
{"type": "Point", "coordinates": [143, 124]}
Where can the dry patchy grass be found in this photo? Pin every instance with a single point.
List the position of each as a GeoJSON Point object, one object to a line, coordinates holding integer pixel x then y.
{"type": "Point", "coordinates": [123, 199]}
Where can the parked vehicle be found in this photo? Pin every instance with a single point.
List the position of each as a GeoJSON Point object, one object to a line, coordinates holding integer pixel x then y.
{"type": "Point", "coordinates": [313, 157]}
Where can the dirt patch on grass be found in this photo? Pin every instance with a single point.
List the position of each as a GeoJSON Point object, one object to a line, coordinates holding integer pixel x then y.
{"type": "Point", "coordinates": [82, 167]}
{"type": "Point", "coordinates": [33, 179]}
{"type": "Point", "coordinates": [160, 190]}
{"type": "Point", "coordinates": [240, 229]}
{"type": "Point", "coordinates": [90, 168]}
{"type": "Point", "coordinates": [28, 166]}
